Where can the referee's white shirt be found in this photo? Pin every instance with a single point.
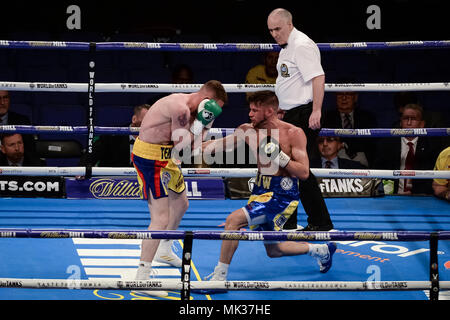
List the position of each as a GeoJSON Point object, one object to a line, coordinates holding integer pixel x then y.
{"type": "Point", "coordinates": [298, 64]}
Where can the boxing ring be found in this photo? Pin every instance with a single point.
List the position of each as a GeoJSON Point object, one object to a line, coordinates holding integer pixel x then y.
{"type": "Point", "coordinates": [389, 248]}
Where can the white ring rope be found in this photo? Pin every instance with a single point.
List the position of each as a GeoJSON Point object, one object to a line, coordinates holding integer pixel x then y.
{"type": "Point", "coordinates": [226, 173]}
{"type": "Point", "coordinates": [231, 88]}
{"type": "Point", "coordinates": [167, 284]}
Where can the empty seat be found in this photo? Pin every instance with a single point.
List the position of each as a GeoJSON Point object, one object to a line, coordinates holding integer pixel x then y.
{"type": "Point", "coordinates": [60, 153]}
{"type": "Point", "coordinates": [58, 148]}
{"type": "Point", "coordinates": [42, 74]}
{"type": "Point", "coordinates": [148, 75]}
{"type": "Point", "coordinates": [113, 116]}
{"type": "Point", "coordinates": [62, 115]}
{"type": "Point", "coordinates": [8, 74]}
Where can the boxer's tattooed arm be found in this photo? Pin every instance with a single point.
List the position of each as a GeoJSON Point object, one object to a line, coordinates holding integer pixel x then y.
{"type": "Point", "coordinates": [182, 120]}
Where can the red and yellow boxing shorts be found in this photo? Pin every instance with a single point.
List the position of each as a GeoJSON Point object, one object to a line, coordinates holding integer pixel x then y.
{"type": "Point", "coordinates": [156, 170]}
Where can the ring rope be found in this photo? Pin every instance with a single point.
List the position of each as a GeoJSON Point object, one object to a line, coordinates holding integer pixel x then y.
{"type": "Point", "coordinates": [363, 133]}
{"type": "Point", "coordinates": [231, 88]}
{"type": "Point", "coordinates": [226, 235]}
{"type": "Point", "coordinates": [185, 285]}
{"type": "Point", "coordinates": [226, 172]}
{"type": "Point", "coordinates": [250, 285]}
{"type": "Point", "coordinates": [218, 47]}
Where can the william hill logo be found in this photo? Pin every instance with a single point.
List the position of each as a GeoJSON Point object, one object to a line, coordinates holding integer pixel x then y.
{"type": "Point", "coordinates": [114, 189]}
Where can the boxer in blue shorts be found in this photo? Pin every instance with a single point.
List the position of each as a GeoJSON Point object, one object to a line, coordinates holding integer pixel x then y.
{"type": "Point", "coordinates": [272, 202]}
{"type": "Point", "coordinates": [280, 150]}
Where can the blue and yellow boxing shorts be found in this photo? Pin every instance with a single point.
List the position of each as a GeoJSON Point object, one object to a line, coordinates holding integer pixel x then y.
{"type": "Point", "coordinates": [156, 170]}
{"type": "Point", "coordinates": [273, 200]}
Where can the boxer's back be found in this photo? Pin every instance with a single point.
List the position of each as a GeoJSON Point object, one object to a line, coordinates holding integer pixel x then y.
{"type": "Point", "coordinates": [157, 124]}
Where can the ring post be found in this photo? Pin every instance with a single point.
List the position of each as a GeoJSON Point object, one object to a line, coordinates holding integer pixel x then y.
{"type": "Point", "coordinates": [186, 266]}
{"type": "Point", "coordinates": [91, 109]}
{"type": "Point", "coordinates": [434, 267]}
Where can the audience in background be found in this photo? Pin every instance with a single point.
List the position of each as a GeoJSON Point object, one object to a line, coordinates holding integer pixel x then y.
{"type": "Point", "coordinates": [182, 73]}
{"type": "Point", "coordinates": [329, 148]}
{"type": "Point", "coordinates": [9, 117]}
{"type": "Point", "coordinates": [433, 119]}
{"type": "Point", "coordinates": [265, 73]}
{"type": "Point", "coordinates": [401, 99]}
{"type": "Point", "coordinates": [115, 150]}
{"type": "Point", "coordinates": [109, 150]}
{"type": "Point", "coordinates": [14, 153]}
{"type": "Point", "coordinates": [348, 115]}
{"type": "Point", "coordinates": [441, 186]}
{"type": "Point", "coordinates": [409, 153]}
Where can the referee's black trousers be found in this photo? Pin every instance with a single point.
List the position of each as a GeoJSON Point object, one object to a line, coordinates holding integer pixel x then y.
{"type": "Point", "coordinates": [310, 194]}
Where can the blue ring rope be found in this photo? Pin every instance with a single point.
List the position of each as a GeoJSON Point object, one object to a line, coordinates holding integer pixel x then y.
{"type": "Point", "coordinates": [225, 235]}
{"type": "Point", "coordinates": [368, 133]}
{"type": "Point", "coordinates": [217, 47]}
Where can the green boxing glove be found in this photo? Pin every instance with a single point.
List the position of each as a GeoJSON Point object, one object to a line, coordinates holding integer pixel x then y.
{"type": "Point", "coordinates": [208, 110]}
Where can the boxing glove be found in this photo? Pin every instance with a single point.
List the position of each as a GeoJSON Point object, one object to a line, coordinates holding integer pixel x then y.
{"type": "Point", "coordinates": [207, 111]}
{"type": "Point", "coordinates": [272, 150]}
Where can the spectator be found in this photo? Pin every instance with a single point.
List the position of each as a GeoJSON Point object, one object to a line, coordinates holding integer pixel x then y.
{"type": "Point", "coordinates": [182, 73]}
{"type": "Point", "coordinates": [401, 99]}
{"type": "Point", "coordinates": [14, 153]}
{"type": "Point", "coordinates": [433, 119]}
{"type": "Point", "coordinates": [329, 148]}
{"type": "Point", "coordinates": [264, 73]}
{"type": "Point", "coordinates": [441, 186]}
{"type": "Point", "coordinates": [115, 150]}
{"type": "Point", "coordinates": [348, 115]}
{"type": "Point", "coordinates": [409, 153]}
{"type": "Point", "coordinates": [8, 117]}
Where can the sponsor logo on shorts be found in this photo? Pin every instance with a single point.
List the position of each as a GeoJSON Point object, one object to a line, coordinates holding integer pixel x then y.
{"type": "Point", "coordinates": [165, 178]}
{"type": "Point", "coordinates": [286, 183]}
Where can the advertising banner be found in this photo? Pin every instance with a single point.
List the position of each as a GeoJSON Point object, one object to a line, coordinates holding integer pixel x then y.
{"type": "Point", "coordinates": [128, 188]}
{"type": "Point", "coordinates": [240, 188]}
{"type": "Point", "coordinates": [350, 187]}
{"type": "Point", "coordinates": [32, 187]}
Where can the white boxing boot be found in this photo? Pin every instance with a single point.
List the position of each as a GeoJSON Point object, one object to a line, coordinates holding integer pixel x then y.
{"type": "Point", "coordinates": [164, 254]}
{"type": "Point", "coordinates": [145, 272]}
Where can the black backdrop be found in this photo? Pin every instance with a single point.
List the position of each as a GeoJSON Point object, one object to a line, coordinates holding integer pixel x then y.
{"type": "Point", "coordinates": [324, 21]}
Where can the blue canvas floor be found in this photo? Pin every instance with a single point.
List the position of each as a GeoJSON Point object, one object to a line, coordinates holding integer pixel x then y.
{"type": "Point", "coordinates": [106, 258]}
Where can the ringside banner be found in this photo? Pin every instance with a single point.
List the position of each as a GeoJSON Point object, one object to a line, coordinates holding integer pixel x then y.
{"type": "Point", "coordinates": [32, 187]}
{"type": "Point", "coordinates": [128, 188]}
{"type": "Point", "coordinates": [240, 188]}
{"type": "Point", "coordinates": [350, 187]}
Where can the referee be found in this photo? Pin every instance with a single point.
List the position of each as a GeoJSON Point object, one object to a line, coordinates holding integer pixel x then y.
{"type": "Point", "coordinates": [300, 88]}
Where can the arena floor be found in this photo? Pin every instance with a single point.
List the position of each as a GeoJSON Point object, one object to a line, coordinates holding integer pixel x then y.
{"type": "Point", "coordinates": [107, 258]}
